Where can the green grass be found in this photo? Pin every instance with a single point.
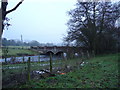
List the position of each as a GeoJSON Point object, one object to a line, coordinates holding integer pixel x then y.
{"type": "Point", "coordinates": [100, 72]}
{"type": "Point", "coordinates": [24, 47]}
{"type": "Point", "coordinates": [14, 50]}
{"type": "Point", "coordinates": [35, 66]}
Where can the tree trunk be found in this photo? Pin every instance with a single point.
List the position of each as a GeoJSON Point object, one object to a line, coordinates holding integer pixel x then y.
{"type": "Point", "coordinates": [3, 14]}
{"type": "Point", "coordinates": [0, 27]}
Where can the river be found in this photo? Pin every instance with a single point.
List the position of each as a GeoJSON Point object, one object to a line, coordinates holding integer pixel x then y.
{"type": "Point", "coordinates": [33, 58]}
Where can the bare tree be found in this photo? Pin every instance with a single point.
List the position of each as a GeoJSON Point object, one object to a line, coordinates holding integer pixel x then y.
{"type": "Point", "coordinates": [92, 25]}
{"type": "Point", "coordinates": [4, 12]}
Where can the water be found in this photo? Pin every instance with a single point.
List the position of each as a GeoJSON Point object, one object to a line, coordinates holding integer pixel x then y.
{"type": "Point", "coordinates": [33, 58]}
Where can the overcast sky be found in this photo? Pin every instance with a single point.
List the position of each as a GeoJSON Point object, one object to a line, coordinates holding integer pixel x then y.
{"type": "Point", "coordinates": [41, 20]}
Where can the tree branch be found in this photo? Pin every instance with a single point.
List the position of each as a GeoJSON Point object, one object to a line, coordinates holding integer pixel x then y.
{"type": "Point", "coordinates": [14, 7]}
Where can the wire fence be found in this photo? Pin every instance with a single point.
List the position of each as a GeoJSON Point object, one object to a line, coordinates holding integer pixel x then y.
{"type": "Point", "coordinates": [33, 68]}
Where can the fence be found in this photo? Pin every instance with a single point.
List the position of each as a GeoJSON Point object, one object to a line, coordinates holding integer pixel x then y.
{"type": "Point", "coordinates": [19, 73]}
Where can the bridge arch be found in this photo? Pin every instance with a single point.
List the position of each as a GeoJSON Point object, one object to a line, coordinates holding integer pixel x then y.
{"type": "Point", "coordinates": [48, 52]}
{"type": "Point", "coordinates": [59, 53]}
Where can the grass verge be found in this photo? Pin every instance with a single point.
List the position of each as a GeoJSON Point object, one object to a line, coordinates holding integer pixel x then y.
{"type": "Point", "coordinates": [99, 72]}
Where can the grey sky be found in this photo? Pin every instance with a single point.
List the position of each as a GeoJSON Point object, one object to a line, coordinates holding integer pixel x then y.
{"type": "Point", "coordinates": [41, 20]}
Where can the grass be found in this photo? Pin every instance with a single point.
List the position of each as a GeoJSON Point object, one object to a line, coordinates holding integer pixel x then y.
{"type": "Point", "coordinates": [35, 66]}
{"type": "Point", "coordinates": [20, 47]}
{"type": "Point", "coordinates": [15, 50]}
{"type": "Point", "coordinates": [100, 72]}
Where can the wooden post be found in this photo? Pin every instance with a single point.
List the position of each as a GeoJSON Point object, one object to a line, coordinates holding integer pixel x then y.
{"type": "Point", "coordinates": [23, 59]}
{"type": "Point", "coordinates": [28, 74]}
{"type": "Point", "coordinates": [39, 61]}
{"type": "Point", "coordinates": [33, 59]}
{"type": "Point", "coordinates": [5, 60]}
{"type": "Point", "coordinates": [51, 62]}
{"type": "Point", "coordinates": [39, 58]}
{"type": "Point", "coordinates": [5, 51]}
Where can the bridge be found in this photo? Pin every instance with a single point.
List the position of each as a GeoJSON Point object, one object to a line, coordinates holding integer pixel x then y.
{"type": "Point", "coordinates": [57, 49]}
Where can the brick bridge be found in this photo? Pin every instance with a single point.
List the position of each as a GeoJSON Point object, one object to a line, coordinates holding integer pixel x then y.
{"type": "Point", "coordinates": [57, 49]}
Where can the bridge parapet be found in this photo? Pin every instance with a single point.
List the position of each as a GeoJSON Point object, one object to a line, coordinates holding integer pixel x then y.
{"type": "Point", "coordinates": [56, 49]}
{"type": "Point", "coordinates": [46, 49]}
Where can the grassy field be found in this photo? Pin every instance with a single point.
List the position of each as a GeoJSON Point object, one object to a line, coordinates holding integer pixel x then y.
{"type": "Point", "coordinates": [25, 47]}
{"type": "Point", "coordinates": [15, 50]}
{"type": "Point", "coordinates": [100, 72]}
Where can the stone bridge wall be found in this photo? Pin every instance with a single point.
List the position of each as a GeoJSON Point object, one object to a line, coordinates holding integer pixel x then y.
{"type": "Point", "coordinates": [56, 49]}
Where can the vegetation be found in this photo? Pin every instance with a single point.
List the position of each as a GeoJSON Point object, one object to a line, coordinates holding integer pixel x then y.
{"type": "Point", "coordinates": [101, 72]}
{"type": "Point", "coordinates": [92, 25]}
{"type": "Point", "coordinates": [11, 42]}
{"type": "Point", "coordinates": [4, 12]}
{"type": "Point", "coordinates": [17, 51]}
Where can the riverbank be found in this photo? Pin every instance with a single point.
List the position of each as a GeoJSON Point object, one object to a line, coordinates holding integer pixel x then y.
{"type": "Point", "coordinates": [99, 72]}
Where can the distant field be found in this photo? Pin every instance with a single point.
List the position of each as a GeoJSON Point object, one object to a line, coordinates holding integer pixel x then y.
{"type": "Point", "coordinates": [25, 47]}
{"type": "Point", "coordinates": [15, 50]}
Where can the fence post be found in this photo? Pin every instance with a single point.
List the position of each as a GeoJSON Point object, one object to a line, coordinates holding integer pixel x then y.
{"type": "Point", "coordinates": [39, 58]}
{"type": "Point", "coordinates": [51, 62]}
{"type": "Point", "coordinates": [33, 59]}
{"type": "Point", "coordinates": [23, 59]}
{"type": "Point", "coordinates": [5, 51]}
{"type": "Point", "coordinates": [28, 74]}
{"type": "Point", "coordinates": [5, 60]}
